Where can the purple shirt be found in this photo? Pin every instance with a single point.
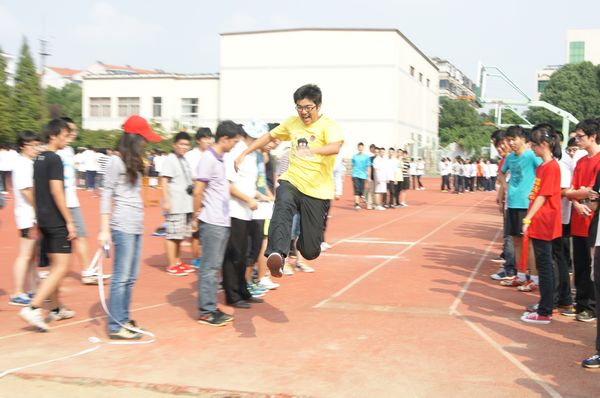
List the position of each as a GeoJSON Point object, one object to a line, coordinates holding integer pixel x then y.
{"type": "Point", "coordinates": [215, 205]}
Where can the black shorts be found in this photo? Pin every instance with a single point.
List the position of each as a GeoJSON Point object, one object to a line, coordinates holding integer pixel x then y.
{"type": "Point", "coordinates": [405, 184]}
{"type": "Point", "coordinates": [56, 239]}
{"type": "Point", "coordinates": [359, 186]}
{"type": "Point", "coordinates": [25, 233]}
{"type": "Point", "coordinates": [514, 222]}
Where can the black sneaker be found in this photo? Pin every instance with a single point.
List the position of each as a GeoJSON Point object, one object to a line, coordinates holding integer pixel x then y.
{"type": "Point", "coordinates": [213, 319]}
{"type": "Point", "coordinates": [275, 264]}
{"type": "Point", "coordinates": [224, 316]}
{"type": "Point", "coordinates": [592, 362]}
{"type": "Point", "coordinates": [585, 316]}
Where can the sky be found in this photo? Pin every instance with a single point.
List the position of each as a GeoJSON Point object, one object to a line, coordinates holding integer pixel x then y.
{"type": "Point", "coordinates": [182, 36]}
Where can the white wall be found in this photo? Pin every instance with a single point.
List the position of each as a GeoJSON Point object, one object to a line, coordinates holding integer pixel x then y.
{"type": "Point", "coordinates": [171, 88]}
{"type": "Point", "coordinates": [364, 76]}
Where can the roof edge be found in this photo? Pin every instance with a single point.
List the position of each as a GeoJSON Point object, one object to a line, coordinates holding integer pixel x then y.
{"type": "Point", "coordinates": [389, 30]}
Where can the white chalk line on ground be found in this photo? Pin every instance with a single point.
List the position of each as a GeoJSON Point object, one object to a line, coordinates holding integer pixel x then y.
{"type": "Point", "coordinates": [401, 252]}
{"type": "Point", "coordinates": [454, 311]}
{"type": "Point", "coordinates": [377, 242]}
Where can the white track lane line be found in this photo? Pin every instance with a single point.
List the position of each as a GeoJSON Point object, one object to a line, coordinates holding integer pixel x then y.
{"type": "Point", "coordinates": [382, 264]}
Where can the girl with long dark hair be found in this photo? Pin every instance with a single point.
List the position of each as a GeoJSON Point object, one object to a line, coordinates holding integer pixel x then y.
{"type": "Point", "coordinates": [122, 195]}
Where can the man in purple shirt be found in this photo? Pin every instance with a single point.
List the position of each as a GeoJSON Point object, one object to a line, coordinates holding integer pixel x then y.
{"type": "Point", "coordinates": [211, 208]}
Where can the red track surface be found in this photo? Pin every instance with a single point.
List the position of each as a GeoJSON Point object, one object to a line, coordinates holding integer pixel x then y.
{"type": "Point", "coordinates": [401, 306]}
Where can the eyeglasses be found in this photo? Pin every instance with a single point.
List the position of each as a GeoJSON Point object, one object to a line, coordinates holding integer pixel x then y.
{"type": "Point", "coordinates": [307, 108]}
{"type": "Point", "coordinates": [579, 136]}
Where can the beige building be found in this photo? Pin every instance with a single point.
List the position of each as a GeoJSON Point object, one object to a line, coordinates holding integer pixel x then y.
{"type": "Point", "coordinates": [454, 83]}
{"type": "Point", "coordinates": [583, 45]}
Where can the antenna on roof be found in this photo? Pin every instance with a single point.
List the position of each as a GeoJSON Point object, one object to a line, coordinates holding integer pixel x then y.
{"type": "Point", "coordinates": [43, 53]}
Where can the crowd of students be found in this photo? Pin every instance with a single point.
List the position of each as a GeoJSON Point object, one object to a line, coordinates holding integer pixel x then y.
{"type": "Point", "coordinates": [548, 199]}
{"type": "Point", "coordinates": [382, 180]}
{"type": "Point", "coordinates": [247, 224]}
{"type": "Point", "coordinates": [467, 175]}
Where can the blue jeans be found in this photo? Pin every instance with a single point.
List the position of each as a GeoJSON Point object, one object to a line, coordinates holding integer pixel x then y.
{"type": "Point", "coordinates": [214, 240]}
{"type": "Point", "coordinates": [90, 179]}
{"type": "Point", "coordinates": [126, 266]}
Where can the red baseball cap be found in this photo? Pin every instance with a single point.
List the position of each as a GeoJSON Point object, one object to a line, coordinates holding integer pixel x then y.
{"type": "Point", "coordinates": [136, 124]}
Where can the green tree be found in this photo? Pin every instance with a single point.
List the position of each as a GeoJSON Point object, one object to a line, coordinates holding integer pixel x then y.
{"type": "Point", "coordinates": [508, 117]}
{"type": "Point", "coordinates": [26, 105]}
{"type": "Point", "coordinates": [5, 130]}
{"type": "Point", "coordinates": [574, 88]}
{"type": "Point", "coordinates": [460, 123]}
{"type": "Point", "coordinates": [64, 102]}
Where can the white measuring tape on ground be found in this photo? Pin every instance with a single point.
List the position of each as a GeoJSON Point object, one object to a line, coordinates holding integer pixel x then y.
{"type": "Point", "coordinates": [97, 265]}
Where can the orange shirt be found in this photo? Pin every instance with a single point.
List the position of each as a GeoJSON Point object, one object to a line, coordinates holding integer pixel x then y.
{"type": "Point", "coordinates": [583, 176]}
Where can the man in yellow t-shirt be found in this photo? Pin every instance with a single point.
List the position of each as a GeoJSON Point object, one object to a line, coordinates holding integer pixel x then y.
{"type": "Point", "coordinates": [307, 186]}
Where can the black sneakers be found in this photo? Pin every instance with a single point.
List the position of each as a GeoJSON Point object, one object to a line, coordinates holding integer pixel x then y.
{"type": "Point", "coordinates": [217, 318]}
{"type": "Point", "coordinates": [592, 362]}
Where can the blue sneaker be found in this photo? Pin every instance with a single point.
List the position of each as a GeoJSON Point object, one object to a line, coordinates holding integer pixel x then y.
{"type": "Point", "coordinates": [197, 262]}
{"type": "Point", "coordinates": [20, 299]}
{"type": "Point", "coordinates": [255, 290]}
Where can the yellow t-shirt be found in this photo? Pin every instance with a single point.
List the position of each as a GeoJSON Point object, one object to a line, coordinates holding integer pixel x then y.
{"type": "Point", "coordinates": [313, 176]}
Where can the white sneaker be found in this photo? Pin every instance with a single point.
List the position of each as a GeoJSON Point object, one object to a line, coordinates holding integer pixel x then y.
{"type": "Point", "coordinates": [325, 246]}
{"type": "Point", "coordinates": [403, 204]}
{"type": "Point", "coordinates": [288, 270]}
{"type": "Point", "coordinates": [34, 318]}
{"type": "Point", "coordinates": [304, 268]}
{"type": "Point", "coordinates": [379, 208]}
{"type": "Point", "coordinates": [63, 313]}
{"type": "Point", "coordinates": [266, 283]}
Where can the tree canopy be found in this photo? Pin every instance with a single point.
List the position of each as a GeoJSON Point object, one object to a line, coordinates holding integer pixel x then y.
{"type": "Point", "coordinates": [460, 123]}
{"type": "Point", "coordinates": [26, 102]}
{"type": "Point", "coordinates": [574, 88]}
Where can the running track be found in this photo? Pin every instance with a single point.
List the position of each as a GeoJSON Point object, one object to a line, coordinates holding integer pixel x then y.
{"type": "Point", "coordinates": [401, 306]}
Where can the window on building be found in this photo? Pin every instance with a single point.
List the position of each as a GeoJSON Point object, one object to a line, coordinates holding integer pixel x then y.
{"type": "Point", "coordinates": [129, 106]}
{"type": "Point", "coordinates": [189, 107]}
{"type": "Point", "coordinates": [412, 71]}
{"type": "Point", "coordinates": [156, 106]}
{"type": "Point", "coordinates": [100, 106]}
{"type": "Point", "coordinates": [576, 52]}
{"type": "Point", "coordinates": [444, 84]}
{"type": "Point", "coordinates": [542, 85]}
{"type": "Point", "coordinates": [421, 77]}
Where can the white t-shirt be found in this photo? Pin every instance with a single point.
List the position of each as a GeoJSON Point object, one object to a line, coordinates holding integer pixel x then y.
{"type": "Point", "coordinates": [22, 178]}
{"type": "Point", "coordinates": [68, 159]}
{"type": "Point", "coordinates": [379, 167]}
{"type": "Point", "coordinates": [392, 165]}
{"type": "Point", "coordinates": [420, 168]}
{"type": "Point", "coordinates": [565, 182]}
{"type": "Point", "coordinates": [79, 164]}
{"type": "Point", "coordinates": [412, 169]}
{"type": "Point", "coordinates": [4, 160]}
{"type": "Point", "coordinates": [90, 160]}
{"type": "Point", "coordinates": [158, 163]}
{"type": "Point", "coordinates": [244, 180]}
{"type": "Point", "coordinates": [493, 169]}
{"type": "Point", "coordinates": [193, 158]}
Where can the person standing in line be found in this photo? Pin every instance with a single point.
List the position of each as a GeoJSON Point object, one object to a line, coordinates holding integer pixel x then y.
{"type": "Point", "coordinates": [122, 217]}
{"type": "Point", "coordinates": [211, 209]}
{"type": "Point", "coordinates": [67, 155]}
{"type": "Point", "coordinates": [55, 224]}
{"type": "Point", "coordinates": [542, 223]}
{"type": "Point", "coordinates": [102, 159]}
{"type": "Point", "coordinates": [361, 169]}
{"type": "Point", "coordinates": [23, 269]}
{"type": "Point", "coordinates": [413, 172]}
{"type": "Point", "coordinates": [420, 172]}
{"type": "Point", "coordinates": [393, 164]}
{"type": "Point", "coordinates": [380, 179]}
{"type": "Point", "coordinates": [90, 159]}
{"type": "Point", "coordinates": [204, 139]}
{"type": "Point", "coordinates": [370, 182]}
{"type": "Point", "coordinates": [307, 186]}
{"type": "Point", "coordinates": [521, 163]}
{"type": "Point", "coordinates": [405, 178]}
{"type": "Point", "coordinates": [445, 172]}
{"type": "Point", "coordinates": [339, 173]}
{"type": "Point", "coordinates": [493, 167]}
{"type": "Point", "coordinates": [177, 188]}
{"type": "Point", "coordinates": [587, 134]}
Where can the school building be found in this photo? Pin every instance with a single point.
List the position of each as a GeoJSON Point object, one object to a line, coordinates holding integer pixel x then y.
{"type": "Point", "coordinates": [376, 83]}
